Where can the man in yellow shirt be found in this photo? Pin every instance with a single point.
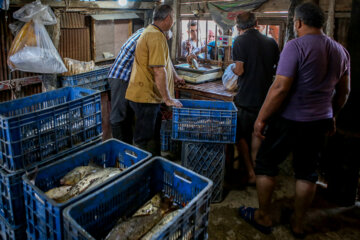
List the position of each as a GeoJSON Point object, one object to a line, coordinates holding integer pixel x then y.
{"type": "Point", "coordinates": [152, 77]}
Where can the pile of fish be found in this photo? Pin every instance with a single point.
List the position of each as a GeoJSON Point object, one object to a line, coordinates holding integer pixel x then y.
{"type": "Point", "coordinates": [79, 180]}
{"type": "Point", "coordinates": [205, 125]}
{"type": "Point", "coordinates": [147, 221]}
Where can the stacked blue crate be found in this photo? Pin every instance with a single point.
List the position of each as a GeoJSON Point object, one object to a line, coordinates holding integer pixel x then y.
{"type": "Point", "coordinates": [44, 215]}
{"type": "Point", "coordinates": [35, 131]}
{"type": "Point", "coordinates": [94, 216]}
{"type": "Point", "coordinates": [167, 144]}
{"type": "Point", "coordinates": [205, 127]}
{"type": "Point", "coordinates": [96, 79]}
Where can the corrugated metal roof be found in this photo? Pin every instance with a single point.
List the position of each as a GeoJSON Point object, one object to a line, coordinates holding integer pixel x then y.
{"type": "Point", "coordinates": [72, 20]}
{"type": "Point", "coordinates": [100, 17]}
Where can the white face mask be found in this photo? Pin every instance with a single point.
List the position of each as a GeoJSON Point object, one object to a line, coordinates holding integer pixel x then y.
{"type": "Point", "coordinates": [295, 32]}
{"type": "Point", "coordinates": [169, 34]}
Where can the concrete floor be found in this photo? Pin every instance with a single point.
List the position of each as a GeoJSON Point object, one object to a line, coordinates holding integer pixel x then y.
{"type": "Point", "coordinates": [323, 221]}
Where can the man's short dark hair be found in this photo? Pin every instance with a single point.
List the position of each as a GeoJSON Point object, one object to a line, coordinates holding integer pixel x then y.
{"type": "Point", "coordinates": [161, 12]}
{"type": "Point", "coordinates": [310, 14]}
{"type": "Point", "coordinates": [246, 20]}
{"type": "Point", "coordinates": [191, 23]}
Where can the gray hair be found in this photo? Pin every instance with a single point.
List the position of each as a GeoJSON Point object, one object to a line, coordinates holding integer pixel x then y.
{"type": "Point", "coordinates": [161, 12]}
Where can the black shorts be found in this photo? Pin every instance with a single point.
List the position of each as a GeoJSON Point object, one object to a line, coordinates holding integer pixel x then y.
{"type": "Point", "coordinates": [245, 124]}
{"type": "Point", "coordinates": [304, 139]}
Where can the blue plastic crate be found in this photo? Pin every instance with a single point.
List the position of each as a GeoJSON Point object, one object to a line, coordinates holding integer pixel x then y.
{"type": "Point", "coordinates": [206, 159]}
{"type": "Point", "coordinates": [167, 144]}
{"type": "Point", "coordinates": [44, 215]}
{"type": "Point", "coordinates": [94, 216]}
{"type": "Point", "coordinates": [205, 121]}
{"type": "Point", "coordinates": [37, 128]}
{"type": "Point", "coordinates": [9, 232]}
{"type": "Point", "coordinates": [12, 205]}
{"type": "Point", "coordinates": [96, 79]}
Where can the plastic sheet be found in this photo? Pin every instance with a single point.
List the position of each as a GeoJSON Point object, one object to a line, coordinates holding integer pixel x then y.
{"type": "Point", "coordinates": [229, 78]}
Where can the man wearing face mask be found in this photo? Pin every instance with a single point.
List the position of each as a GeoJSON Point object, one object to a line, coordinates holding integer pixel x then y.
{"type": "Point", "coordinates": [152, 79]}
{"type": "Point", "coordinates": [312, 84]}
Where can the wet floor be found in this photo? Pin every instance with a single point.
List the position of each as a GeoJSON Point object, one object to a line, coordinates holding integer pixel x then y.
{"type": "Point", "coordinates": [323, 221]}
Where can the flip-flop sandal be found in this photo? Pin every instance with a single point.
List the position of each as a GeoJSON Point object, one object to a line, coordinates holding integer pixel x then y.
{"type": "Point", "coordinates": [247, 213]}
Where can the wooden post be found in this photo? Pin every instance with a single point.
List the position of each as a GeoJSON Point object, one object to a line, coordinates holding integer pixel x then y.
{"type": "Point", "coordinates": [216, 49]}
{"type": "Point", "coordinates": [227, 50]}
{"type": "Point", "coordinates": [175, 30]}
{"type": "Point", "coordinates": [206, 40]}
{"type": "Point", "coordinates": [330, 19]}
{"type": "Point", "coordinates": [290, 21]}
{"type": "Point", "coordinates": [92, 40]}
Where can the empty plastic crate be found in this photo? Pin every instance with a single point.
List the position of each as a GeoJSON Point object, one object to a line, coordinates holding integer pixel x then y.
{"type": "Point", "coordinates": [44, 215]}
{"type": "Point", "coordinates": [37, 128]}
{"type": "Point", "coordinates": [94, 216]}
{"type": "Point", "coordinates": [96, 79]}
{"type": "Point", "coordinates": [207, 159]}
{"type": "Point", "coordinates": [167, 144]}
{"type": "Point", "coordinates": [12, 205]}
{"type": "Point", "coordinates": [205, 121]}
{"type": "Point", "coordinates": [9, 232]}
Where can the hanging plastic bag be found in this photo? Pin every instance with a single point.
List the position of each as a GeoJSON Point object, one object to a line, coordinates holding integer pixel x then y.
{"type": "Point", "coordinates": [32, 49]}
{"type": "Point", "coordinates": [15, 27]}
{"type": "Point", "coordinates": [229, 78]}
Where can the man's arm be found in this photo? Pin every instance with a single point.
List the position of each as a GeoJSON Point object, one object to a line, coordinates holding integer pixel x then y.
{"type": "Point", "coordinates": [342, 91]}
{"type": "Point", "coordinates": [161, 83]}
{"type": "Point", "coordinates": [239, 68]}
{"type": "Point", "coordinates": [278, 92]}
{"type": "Point", "coordinates": [177, 78]}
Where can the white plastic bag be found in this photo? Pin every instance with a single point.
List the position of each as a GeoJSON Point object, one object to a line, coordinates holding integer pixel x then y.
{"type": "Point", "coordinates": [229, 78]}
{"type": "Point", "coordinates": [32, 49]}
{"type": "Point", "coordinates": [36, 12]}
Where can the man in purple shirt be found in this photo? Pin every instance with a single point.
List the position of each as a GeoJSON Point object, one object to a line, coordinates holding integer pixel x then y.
{"type": "Point", "coordinates": [312, 84]}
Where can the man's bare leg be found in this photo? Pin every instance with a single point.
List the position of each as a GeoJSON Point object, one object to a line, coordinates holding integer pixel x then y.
{"type": "Point", "coordinates": [243, 149]}
{"type": "Point", "coordinates": [265, 187]}
{"type": "Point", "coordinates": [304, 195]}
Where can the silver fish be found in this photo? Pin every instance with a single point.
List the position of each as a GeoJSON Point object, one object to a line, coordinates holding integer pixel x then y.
{"type": "Point", "coordinates": [160, 224]}
{"type": "Point", "coordinates": [75, 175]}
{"type": "Point", "coordinates": [150, 207]}
{"type": "Point", "coordinates": [134, 228]}
{"type": "Point", "coordinates": [89, 181]}
{"type": "Point", "coordinates": [58, 192]}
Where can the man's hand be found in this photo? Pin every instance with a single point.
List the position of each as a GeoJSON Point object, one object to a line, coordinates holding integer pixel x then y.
{"type": "Point", "coordinates": [259, 128]}
{"type": "Point", "coordinates": [173, 102]}
{"type": "Point", "coordinates": [190, 57]}
{"type": "Point", "coordinates": [188, 46]}
{"type": "Point", "coordinates": [179, 81]}
{"type": "Point", "coordinates": [332, 129]}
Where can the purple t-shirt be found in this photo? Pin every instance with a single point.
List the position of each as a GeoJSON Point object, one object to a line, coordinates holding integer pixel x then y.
{"type": "Point", "coordinates": [316, 62]}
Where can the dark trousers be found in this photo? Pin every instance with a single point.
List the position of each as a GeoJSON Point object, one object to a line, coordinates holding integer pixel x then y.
{"type": "Point", "coordinates": [121, 116]}
{"type": "Point", "coordinates": [147, 126]}
{"type": "Point", "coordinates": [304, 139]}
